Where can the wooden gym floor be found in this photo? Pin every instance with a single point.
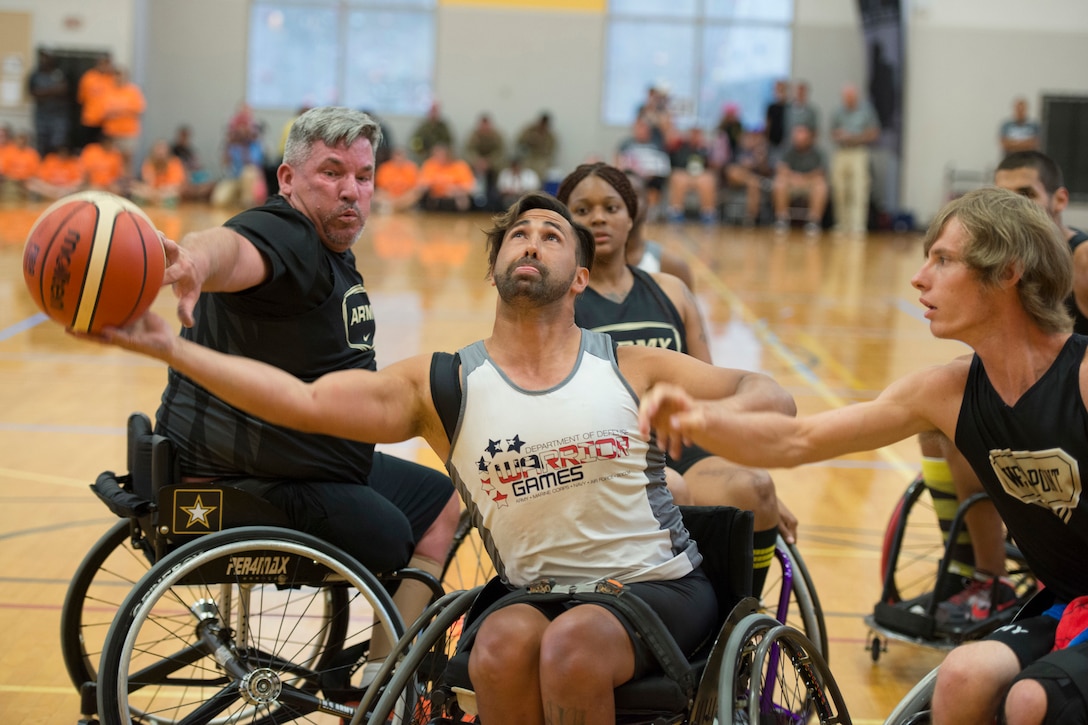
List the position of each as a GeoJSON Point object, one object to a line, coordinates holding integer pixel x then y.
{"type": "Point", "coordinates": [834, 321]}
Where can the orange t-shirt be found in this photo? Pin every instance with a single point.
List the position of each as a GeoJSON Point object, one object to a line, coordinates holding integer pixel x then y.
{"type": "Point", "coordinates": [94, 85]}
{"type": "Point", "coordinates": [446, 179]}
{"type": "Point", "coordinates": [61, 171]}
{"type": "Point", "coordinates": [172, 175]}
{"type": "Point", "coordinates": [124, 105]}
{"type": "Point", "coordinates": [19, 163]}
{"type": "Point", "coordinates": [397, 177]}
{"type": "Point", "coordinates": [103, 167]}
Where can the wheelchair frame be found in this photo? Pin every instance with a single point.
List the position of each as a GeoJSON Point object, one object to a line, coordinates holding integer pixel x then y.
{"type": "Point", "coordinates": [213, 586]}
{"type": "Point", "coordinates": [755, 665]}
{"type": "Point", "coordinates": [905, 615]}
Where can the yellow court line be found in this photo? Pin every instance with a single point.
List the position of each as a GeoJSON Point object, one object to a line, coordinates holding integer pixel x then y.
{"type": "Point", "coordinates": [43, 478]}
{"type": "Point", "coordinates": [38, 689]}
{"type": "Point", "coordinates": [827, 359]}
{"type": "Point", "coordinates": [768, 338]}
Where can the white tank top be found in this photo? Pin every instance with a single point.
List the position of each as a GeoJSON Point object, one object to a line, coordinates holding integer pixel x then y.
{"type": "Point", "coordinates": [560, 482]}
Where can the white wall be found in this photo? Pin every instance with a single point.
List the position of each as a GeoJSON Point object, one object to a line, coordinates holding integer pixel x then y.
{"type": "Point", "coordinates": [967, 59]}
{"type": "Point", "coordinates": [71, 24]}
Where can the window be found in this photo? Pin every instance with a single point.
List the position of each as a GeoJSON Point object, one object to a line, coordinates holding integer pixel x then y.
{"type": "Point", "coordinates": [373, 54]}
{"type": "Point", "coordinates": [704, 53]}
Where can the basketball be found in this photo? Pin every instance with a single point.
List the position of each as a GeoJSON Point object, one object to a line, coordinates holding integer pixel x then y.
{"type": "Point", "coordinates": [93, 260]}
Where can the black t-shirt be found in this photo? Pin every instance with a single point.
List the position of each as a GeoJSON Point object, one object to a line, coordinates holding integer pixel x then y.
{"type": "Point", "coordinates": [311, 316]}
{"type": "Point", "coordinates": [1028, 458]}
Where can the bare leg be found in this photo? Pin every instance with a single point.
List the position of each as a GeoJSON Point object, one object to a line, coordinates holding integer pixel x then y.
{"type": "Point", "coordinates": [505, 666]}
{"type": "Point", "coordinates": [1026, 704]}
{"type": "Point", "coordinates": [972, 681]}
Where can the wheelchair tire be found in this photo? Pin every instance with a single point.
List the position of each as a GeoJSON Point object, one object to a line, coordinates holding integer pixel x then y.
{"type": "Point", "coordinates": [101, 581]}
{"type": "Point", "coordinates": [414, 688]}
{"type": "Point", "coordinates": [247, 625]}
{"type": "Point", "coordinates": [914, 708]}
{"type": "Point", "coordinates": [772, 673]}
{"type": "Point", "coordinates": [468, 564]}
{"type": "Point", "coordinates": [802, 610]}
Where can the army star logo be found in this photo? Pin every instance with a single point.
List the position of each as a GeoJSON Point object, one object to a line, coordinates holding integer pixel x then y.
{"type": "Point", "coordinates": [198, 512]}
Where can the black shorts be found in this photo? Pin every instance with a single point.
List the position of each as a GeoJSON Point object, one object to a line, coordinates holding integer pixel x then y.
{"type": "Point", "coordinates": [689, 456]}
{"type": "Point", "coordinates": [1029, 639]}
{"type": "Point", "coordinates": [1063, 675]}
{"type": "Point", "coordinates": [377, 524]}
{"type": "Point", "coordinates": [687, 607]}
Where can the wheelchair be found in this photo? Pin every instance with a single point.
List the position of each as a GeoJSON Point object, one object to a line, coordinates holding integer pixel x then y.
{"type": "Point", "coordinates": [789, 594]}
{"type": "Point", "coordinates": [915, 707]}
{"type": "Point", "coordinates": [203, 606]}
{"type": "Point", "coordinates": [755, 669]}
{"type": "Point", "coordinates": [919, 573]}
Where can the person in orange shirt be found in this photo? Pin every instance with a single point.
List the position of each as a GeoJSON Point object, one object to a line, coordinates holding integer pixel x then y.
{"type": "Point", "coordinates": [59, 174]}
{"type": "Point", "coordinates": [445, 183]}
{"type": "Point", "coordinates": [162, 177]}
{"type": "Point", "coordinates": [124, 105]}
{"type": "Point", "coordinates": [396, 182]}
{"type": "Point", "coordinates": [104, 166]}
{"type": "Point", "coordinates": [94, 85]}
{"type": "Point", "coordinates": [19, 163]}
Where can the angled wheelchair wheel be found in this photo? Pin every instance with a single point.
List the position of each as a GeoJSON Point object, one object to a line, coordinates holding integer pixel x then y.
{"type": "Point", "coordinates": [910, 557]}
{"type": "Point", "coordinates": [248, 625]}
{"type": "Point", "coordinates": [468, 564]}
{"type": "Point", "coordinates": [789, 595]}
{"type": "Point", "coordinates": [914, 708]}
{"type": "Point", "coordinates": [100, 583]}
{"type": "Point", "coordinates": [413, 684]}
{"type": "Point", "coordinates": [772, 673]}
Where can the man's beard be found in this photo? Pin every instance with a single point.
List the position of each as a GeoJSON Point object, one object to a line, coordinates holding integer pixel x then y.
{"type": "Point", "coordinates": [538, 291]}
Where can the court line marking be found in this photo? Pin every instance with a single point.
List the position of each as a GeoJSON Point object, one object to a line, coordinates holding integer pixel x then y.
{"type": "Point", "coordinates": [779, 350]}
{"type": "Point", "coordinates": [22, 326]}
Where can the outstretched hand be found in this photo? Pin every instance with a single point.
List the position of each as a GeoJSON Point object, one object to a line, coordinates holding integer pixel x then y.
{"type": "Point", "coordinates": [670, 413]}
{"type": "Point", "coordinates": [184, 276]}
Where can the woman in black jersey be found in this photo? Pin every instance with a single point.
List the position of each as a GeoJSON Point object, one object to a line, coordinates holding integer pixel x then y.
{"type": "Point", "coordinates": [659, 310]}
{"type": "Point", "coordinates": [996, 276]}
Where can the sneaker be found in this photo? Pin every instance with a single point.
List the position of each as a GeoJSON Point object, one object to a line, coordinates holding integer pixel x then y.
{"type": "Point", "coordinates": [708, 217]}
{"type": "Point", "coordinates": [812, 229]}
{"type": "Point", "coordinates": [979, 600]}
{"type": "Point", "coordinates": [675, 216]}
{"type": "Point", "coordinates": [781, 226]}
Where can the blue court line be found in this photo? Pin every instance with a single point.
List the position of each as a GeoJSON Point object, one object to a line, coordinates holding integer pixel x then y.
{"type": "Point", "coordinates": [914, 310]}
{"type": "Point", "coordinates": [23, 326]}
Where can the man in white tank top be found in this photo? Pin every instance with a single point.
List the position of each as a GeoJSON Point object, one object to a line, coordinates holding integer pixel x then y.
{"type": "Point", "coordinates": [547, 453]}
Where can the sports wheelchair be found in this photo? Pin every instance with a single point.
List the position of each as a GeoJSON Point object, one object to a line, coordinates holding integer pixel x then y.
{"type": "Point", "coordinates": [919, 573]}
{"type": "Point", "coordinates": [788, 595]}
{"type": "Point", "coordinates": [202, 606]}
{"type": "Point", "coordinates": [755, 670]}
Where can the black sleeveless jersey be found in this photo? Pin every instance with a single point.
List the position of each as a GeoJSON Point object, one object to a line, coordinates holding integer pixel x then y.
{"type": "Point", "coordinates": [1028, 458]}
{"type": "Point", "coordinates": [645, 317]}
{"type": "Point", "coordinates": [1080, 321]}
{"type": "Point", "coordinates": [311, 316]}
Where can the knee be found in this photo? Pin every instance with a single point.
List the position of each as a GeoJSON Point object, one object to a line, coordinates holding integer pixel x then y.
{"type": "Point", "coordinates": [764, 497]}
{"type": "Point", "coordinates": [502, 649]}
{"type": "Point", "coordinates": [1026, 703]}
{"type": "Point", "coordinates": [568, 655]}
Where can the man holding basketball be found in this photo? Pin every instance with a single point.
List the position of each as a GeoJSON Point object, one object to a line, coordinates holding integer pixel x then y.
{"type": "Point", "coordinates": [278, 283]}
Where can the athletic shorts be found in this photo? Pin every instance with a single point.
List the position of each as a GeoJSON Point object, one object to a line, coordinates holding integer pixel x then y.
{"type": "Point", "coordinates": [377, 524]}
{"type": "Point", "coordinates": [689, 456]}
{"type": "Point", "coordinates": [1063, 675]}
{"type": "Point", "coordinates": [1029, 639]}
{"type": "Point", "coordinates": [687, 607]}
